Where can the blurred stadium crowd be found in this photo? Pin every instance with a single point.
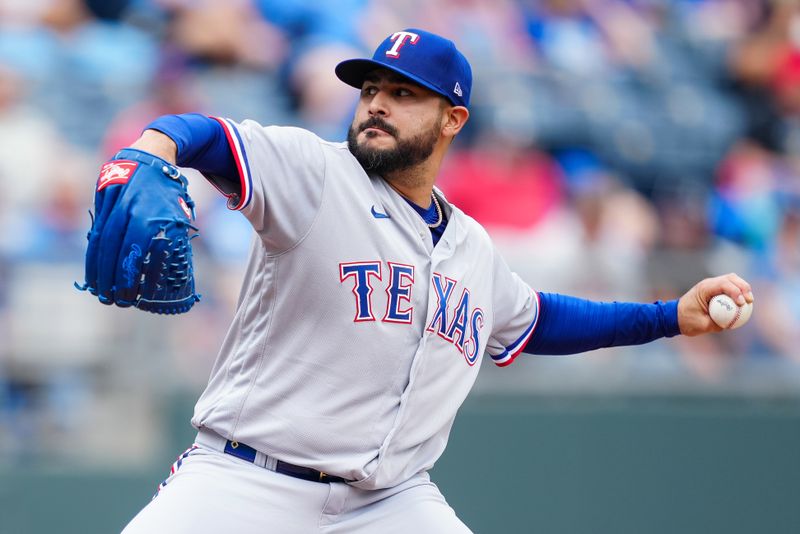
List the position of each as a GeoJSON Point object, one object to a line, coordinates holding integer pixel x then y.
{"type": "Point", "coordinates": [617, 149]}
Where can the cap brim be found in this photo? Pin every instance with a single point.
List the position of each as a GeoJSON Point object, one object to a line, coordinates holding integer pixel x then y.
{"type": "Point", "coordinates": [353, 71]}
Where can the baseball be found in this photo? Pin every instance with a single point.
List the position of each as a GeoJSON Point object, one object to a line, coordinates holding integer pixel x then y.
{"type": "Point", "coordinates": [724, 311]}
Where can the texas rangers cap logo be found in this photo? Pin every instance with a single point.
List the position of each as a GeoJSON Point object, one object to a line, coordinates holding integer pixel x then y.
{"type": "Point", "coordinates": [400, 39]}
{"type": "Point", "coordinates": [116, 172]}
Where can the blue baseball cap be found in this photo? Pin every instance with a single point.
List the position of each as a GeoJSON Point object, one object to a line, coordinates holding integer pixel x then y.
{"type": "Point", "coordinates": [425, 58]}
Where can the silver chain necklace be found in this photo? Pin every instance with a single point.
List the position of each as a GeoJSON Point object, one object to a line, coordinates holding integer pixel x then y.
{"type": "Point", "coordinates": [438, 211]}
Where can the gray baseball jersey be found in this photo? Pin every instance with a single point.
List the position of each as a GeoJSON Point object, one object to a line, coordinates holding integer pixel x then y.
{"type": "Point", "coordinates": [355, 339]}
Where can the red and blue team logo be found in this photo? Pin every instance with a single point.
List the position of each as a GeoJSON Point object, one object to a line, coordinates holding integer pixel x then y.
{"type": "Point", "coordinates": [400, 39]}
{"type": "Point", "coordinates": [116, 172]}
{"type": "Point", "coordinates": [185, 207]}
{"type": "Point", "coordinates": [461, 326]}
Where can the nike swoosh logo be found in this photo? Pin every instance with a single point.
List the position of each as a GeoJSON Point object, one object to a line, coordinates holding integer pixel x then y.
{"type": "Point", "coordinates": [379, 215]}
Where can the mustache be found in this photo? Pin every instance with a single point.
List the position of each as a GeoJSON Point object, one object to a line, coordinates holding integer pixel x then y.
{"type": "Point", "coordinates": [377, 122]}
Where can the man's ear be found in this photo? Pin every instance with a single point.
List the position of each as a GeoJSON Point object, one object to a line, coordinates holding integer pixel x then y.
{"type": "Point", "coordinates": [453, 120]}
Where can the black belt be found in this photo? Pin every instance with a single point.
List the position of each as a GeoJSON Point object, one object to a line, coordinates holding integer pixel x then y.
{"type": "Point", "coordinates": [247, 453]}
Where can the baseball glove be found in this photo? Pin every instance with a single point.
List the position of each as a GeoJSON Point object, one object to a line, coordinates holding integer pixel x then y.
{"type": "Point", "coordinates": [139, 252]}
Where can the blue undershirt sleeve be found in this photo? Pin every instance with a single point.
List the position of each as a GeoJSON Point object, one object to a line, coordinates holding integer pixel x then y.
{"type": "Point", "coordinates": [568, 325]}
{"type": "Point", "coordinates": [201, 142]}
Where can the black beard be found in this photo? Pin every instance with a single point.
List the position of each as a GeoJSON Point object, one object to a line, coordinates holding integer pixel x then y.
{"type": "Point", "coordinates": [406, 154]}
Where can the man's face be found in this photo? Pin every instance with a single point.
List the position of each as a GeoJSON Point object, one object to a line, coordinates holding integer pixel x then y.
{"type": "Point", "coordinates": [396, 125]}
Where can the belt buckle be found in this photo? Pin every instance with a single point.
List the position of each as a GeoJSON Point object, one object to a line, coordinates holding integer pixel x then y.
{"type": "Point", "coordinates": [322, 476]}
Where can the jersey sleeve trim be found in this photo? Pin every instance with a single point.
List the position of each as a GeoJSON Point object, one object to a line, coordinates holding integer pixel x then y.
{"type": "Point", "coordinates": [237, 201]}
{"type": "Point", "coordinates": [513, 350]}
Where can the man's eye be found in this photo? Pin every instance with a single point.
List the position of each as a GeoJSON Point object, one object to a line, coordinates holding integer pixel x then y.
{"type": "Point", "coordinates": [403, 92]}
{"type": "Point", "coordinates": [369, 91]}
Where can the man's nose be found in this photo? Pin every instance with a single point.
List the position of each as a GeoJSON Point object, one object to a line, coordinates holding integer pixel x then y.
{"type": "Point", "coordinates": [378, 105]}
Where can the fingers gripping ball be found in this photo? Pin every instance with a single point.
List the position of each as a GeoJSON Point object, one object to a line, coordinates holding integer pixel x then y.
{"type": "Point", "coordinates": [139, 252]}
{"type": "Point", "coordinates": [727, 314]}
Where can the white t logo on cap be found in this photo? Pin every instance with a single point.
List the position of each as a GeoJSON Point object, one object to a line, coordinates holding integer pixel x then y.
{"type": "Point", "coordinates": [399, 39]}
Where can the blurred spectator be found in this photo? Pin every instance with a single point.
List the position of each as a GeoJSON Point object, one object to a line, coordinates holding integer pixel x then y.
{"type": "Point", "coordinates": [37, 167]}
{"type": "Point", "coordinates": [228, 32]}
{"type": "Point", "coordinates": [81, 70]}
{"type": "Point", "coordinates": [324, 104]}
{"type": "Point", "coordinates": [172, 92]}
{"type": "Point", "coordinates": [765, 64]}
{"type": "Point", "coordinates": [779, 286]}
{"type": "Point", "coordinates": [503, 185]}
{"type": "Point", "coordinates": [322, 34]}
{"type": "Point", "coordinates": [747, 207]}
{"type": "Point", "coordinates": [589, 38]}
{"type": "Point", "coordinates": [227, 57]}
{"type": "Point", "coordinates": [619, 229]}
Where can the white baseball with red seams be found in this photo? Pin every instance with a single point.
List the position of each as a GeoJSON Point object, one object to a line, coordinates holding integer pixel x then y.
{"type": "Point", "coordinates": [727, 314]}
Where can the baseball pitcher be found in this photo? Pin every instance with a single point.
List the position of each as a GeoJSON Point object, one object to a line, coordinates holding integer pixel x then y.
{"type": "Point", "coordinates": [366, 309]}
